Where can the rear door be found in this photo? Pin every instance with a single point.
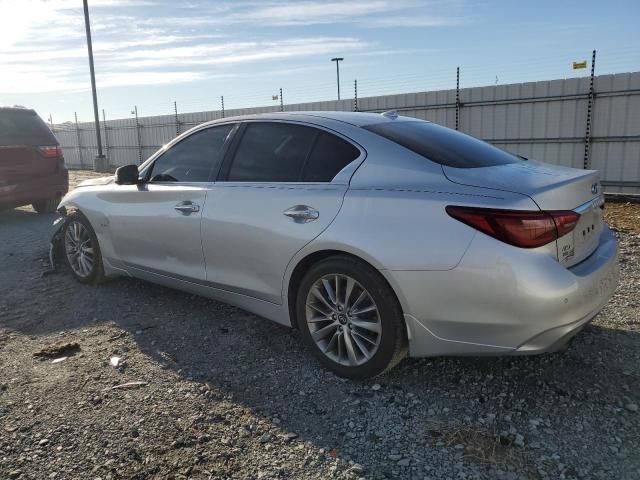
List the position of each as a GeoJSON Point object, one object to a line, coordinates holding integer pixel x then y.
{"type": "Point", "coordinates": [155, 227]}
{"type": "Point", "coordinates": [22, 133]}
{"type": "Point", "coordinates": [280, 188]}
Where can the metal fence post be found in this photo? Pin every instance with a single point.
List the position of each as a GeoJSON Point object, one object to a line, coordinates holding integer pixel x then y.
{"type": "Point", "coordinates": [79, 142]}
{"type": "Point", "coordinates": [138, 135]}
{"type": "Point", "coordinates": [281, 102]}
{"type": "Point", "coordinates": [355, 95]}
{"type": "Point", "coordinates": [457, 98]}
{"type": "Point", "coordinates": [175, 113]}
{"type": "Point", "coordinates": [587, 135]}
{"type": "Point", "coordinates": [106, 137]}
{"type": "Point", "coordinates": [222, 103]}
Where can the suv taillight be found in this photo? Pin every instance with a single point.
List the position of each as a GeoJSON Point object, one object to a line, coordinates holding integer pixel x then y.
{"type": "Point", "coordinates": [521, 228]}
{"type": "Point", "coordinates": [50, 151]}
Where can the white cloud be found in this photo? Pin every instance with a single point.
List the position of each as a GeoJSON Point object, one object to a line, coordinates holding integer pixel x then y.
{"type": "Point", "coordinates": [142, 42]}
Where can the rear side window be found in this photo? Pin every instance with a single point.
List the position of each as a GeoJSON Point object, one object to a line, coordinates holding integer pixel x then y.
{"type": "Point", "coordinates": [271, 152]}
{"type": "Point", "coordinates": [24, 127]}
{"type": "Point", "coordinates": [443, 145]}
{"type": "Point", "coordinates": [284, 152]}
{"type": "Point", "coordinates": [194, 159]}
{"type": "Point", "coordinates": [330, 155]}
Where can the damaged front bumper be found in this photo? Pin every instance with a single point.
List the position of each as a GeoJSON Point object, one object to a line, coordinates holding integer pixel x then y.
{"type": "Point", "coordinates": [56, 243]}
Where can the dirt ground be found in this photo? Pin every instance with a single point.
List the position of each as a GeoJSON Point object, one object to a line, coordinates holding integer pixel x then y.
{"type": "Point", "coordinates": [204, 390]}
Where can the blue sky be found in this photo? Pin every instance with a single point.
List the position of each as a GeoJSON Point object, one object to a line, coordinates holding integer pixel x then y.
{"type": "Point", "coordinates": [149, 53]}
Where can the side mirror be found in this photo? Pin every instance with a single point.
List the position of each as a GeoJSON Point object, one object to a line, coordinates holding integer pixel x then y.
{"type": "Point", "coordinates": [127, 175]}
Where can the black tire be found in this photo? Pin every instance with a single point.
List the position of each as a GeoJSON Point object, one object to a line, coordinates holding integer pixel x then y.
{"type": "Point", "coordinates": [392, 347]}
{"type": "Point", "coordinates": [96, 273]}
{"type": "Point", "coordinates": [46, 206]}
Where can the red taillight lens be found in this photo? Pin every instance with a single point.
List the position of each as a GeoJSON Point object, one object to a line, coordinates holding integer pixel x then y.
{"type": "Point", "coordinates": [520, 228]}
{"type": "Point", "coordinates": [50, 151]}
{"type": "Point", "coordinates": [565, 221]}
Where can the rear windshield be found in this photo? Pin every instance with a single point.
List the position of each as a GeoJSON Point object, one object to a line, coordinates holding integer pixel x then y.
{"type": "Point", "coordinates": [18, 127]}
{"type": "Point", "coordinates": [443, 145]}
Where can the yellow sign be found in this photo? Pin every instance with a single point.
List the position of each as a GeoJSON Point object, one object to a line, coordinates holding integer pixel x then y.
{"type": "Point", "coordinates": [274, 97]}
{"type": "Point", "coordinates": [579, 65]}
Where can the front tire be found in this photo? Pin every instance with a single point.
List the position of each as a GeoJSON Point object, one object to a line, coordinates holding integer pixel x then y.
{"type": "Point", "coordinates": [81, 249]}
{"type": "Point", "coordinates": [350, 318]}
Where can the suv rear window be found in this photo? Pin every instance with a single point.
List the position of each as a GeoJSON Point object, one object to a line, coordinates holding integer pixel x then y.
{"type": "Point", "coordinates": [443, 145]}
{"type": "Point", "coordinates": [24, 127]}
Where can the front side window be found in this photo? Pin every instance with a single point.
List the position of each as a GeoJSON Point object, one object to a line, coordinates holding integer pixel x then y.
{"type": "Point", "coordinates": [195, 159]}
{"type": "Point", "coordinates": [282, 152]}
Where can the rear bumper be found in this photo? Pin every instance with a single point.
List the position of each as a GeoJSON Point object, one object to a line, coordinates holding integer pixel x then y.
{"type": "Point", "coordinates": [504, 300]}
{"type": "Point", "coordinates": [36, 189]}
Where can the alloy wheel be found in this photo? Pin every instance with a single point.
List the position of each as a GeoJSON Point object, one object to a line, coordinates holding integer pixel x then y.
{"type": "Point", "coordinates": [79, 249]}
{"type": "Point", "coordinates": [343, 320]}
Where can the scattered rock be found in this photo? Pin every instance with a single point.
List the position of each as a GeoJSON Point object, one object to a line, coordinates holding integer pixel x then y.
{"type": "Point", "coordinates": [519, 440]}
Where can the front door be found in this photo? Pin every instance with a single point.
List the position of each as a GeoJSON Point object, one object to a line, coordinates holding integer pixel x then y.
{"type": "Point", "coordinates": [155, 227]}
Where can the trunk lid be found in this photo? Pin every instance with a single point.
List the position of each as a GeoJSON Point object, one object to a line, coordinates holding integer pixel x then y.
{"type": "Point", "coordinates": [552, 187]}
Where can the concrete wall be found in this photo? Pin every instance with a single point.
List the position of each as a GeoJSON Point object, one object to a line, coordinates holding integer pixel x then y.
{"type": "Point", "coordinates": [541, 120]}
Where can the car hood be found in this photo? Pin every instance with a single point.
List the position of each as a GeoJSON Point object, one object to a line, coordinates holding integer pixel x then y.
{"type": "Point", "coordinates": [92, 182]}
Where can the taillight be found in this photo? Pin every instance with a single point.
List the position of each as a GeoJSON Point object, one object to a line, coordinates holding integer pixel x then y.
{"type": "Point", "coordinates": [521, 228]}
{"type": "Point", "coordinates": [50, 151]}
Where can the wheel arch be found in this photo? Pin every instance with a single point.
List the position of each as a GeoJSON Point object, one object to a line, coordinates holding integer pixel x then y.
{"type": "Point", "coordinates": [303, 264]}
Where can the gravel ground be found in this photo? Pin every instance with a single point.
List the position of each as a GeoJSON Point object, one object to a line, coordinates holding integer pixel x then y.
{"type": "Point", "coordinates": [226, 394]}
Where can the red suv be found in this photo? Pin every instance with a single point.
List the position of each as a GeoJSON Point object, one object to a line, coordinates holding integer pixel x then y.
{"type": "Point", "coordinates": [31, 164]}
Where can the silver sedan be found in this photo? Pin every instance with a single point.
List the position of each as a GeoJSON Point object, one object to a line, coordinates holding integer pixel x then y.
{"type": "Point", "coordinates": [375, 235]}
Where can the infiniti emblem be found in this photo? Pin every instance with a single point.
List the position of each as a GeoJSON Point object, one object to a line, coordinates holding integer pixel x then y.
{"type": "Point", "coordinates": [594, 188]}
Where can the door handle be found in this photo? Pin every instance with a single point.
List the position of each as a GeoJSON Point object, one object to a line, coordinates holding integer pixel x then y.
{"type": "Point", "coordinates": [187, 207]}
{"type": "Point", "coordinates": [302, 213]}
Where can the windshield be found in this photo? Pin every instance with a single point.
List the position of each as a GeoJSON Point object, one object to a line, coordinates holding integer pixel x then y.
{"type": "Point", "coordinates": [443, 145]}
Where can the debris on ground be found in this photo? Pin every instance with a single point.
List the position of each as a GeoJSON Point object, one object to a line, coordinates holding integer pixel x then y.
{"type": "Point", "coordinates": [58, 349]}
{"type": "Point", "coordinates": [128, 386]}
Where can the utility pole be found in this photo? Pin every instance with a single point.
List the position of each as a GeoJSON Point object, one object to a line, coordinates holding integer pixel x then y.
{"type": "Point", "coordinates": [99, 163]}
{"type": "Point", "coordinates": [338, 60]}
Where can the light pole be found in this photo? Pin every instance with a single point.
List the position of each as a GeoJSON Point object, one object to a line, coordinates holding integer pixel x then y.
{"type": "Point", "coordinates": [338, 60]}
{"type": "Point", "coordinates": [100, 162]}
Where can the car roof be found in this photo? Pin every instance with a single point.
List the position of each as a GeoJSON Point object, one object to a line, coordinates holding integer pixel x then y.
{"type": "Point", "coordinates": [359, 119]}
{"type": "Point", "coordinates": [17, 109]}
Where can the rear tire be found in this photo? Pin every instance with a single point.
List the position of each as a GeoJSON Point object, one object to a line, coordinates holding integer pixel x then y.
{"type": "Point", "coordinates": [350, 318]}
{"type": "Point", "coordinates": [46, 206]}
{"type": "Point", "coordinates": [81, 250]}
